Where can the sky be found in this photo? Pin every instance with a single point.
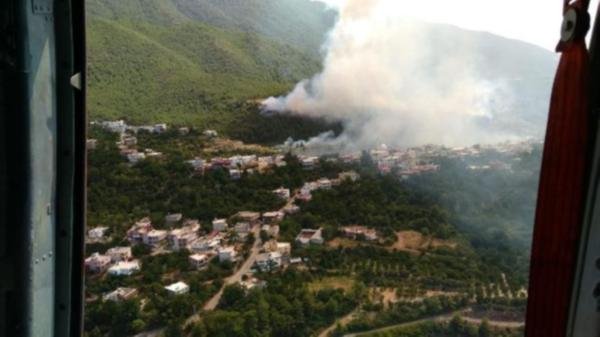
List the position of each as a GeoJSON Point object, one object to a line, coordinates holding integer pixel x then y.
{"type": "Point", "coordinates": [533, 21]}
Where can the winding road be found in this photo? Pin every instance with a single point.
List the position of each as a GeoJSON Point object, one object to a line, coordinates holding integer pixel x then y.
{"type": "Point", "coordinates": [440, 319]}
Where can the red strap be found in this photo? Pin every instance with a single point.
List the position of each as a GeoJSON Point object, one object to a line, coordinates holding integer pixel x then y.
{"type": "Point", "coordinates": [561, 195]}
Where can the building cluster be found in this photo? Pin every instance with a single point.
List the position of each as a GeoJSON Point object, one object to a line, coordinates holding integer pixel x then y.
{"type": "Point", "coordinates": [305, 193]}
{"type": "Point", "coordinates": [127, 143]}
{"type": "Point", "coordinates": [407, 162]}
{"type": "Point", "coordinates": [238, 164]}
{"type": "Point", "coordinates": [117, 261]}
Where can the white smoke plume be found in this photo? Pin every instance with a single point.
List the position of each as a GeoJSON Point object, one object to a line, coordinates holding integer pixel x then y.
{"type": "Point", "coordinates": [398, 81]}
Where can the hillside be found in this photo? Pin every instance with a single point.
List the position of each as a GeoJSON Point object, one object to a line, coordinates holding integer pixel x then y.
{"type": "Point", "coordinates": [299, 23]}
{"type": "Point", "coordinates": [185, 73]}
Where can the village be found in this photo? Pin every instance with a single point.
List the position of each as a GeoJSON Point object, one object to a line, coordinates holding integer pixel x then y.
{"type": "Point", "coordinates": [402, 162]}
{"type": "Point", "coordinates": [247, 242]}
{"type": "Point", "coordinates": [222, 240]}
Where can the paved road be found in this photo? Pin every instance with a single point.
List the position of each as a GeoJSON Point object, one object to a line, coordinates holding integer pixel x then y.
{"type": "Point", "coordinates": [439, 318]}
{"type": "Point", "coordinates": [342, 321]}
{"type": "Point", "coordinates": [212, 303]}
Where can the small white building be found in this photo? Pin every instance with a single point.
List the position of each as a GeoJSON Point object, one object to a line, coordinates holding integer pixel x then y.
{"type": "Point", "coordinates": [118, 254]}
{"type": "Point", "coordinates": [178, 288]}
{"type": "Point", "coordinates": [235, 174]}
{"type": "Point", "coordinates": [130, 141]}
{"type": "Point", "coordinates": [120, 294]}
{"type": "Point", "coordinates": [173, 218]}
{"type": "Point", "coordinates": [197, 164]}
{"type": "Point", "coordinates": [272, 230]}
{"type": "Point", "coordinates": [349, 175]}
{"type": "Point", "coordinates": [184, 131]}
{"type": "Point", "coordinates": [155, 237]}
{"type": "Point", "coordinates": [97, 263]}
{"type": "Point", "coordinates": [253, 218]}
{"type": "Point", "coordinates": [138, 231]}
{"type": "Point", "coordinates": [310, 236]}
{"type": "Point", "coordinates": [284, 248]}
{"type": "Point", "coordinates": [291, 209]}
{"type": "Point", "coordinates": [91, 144]}
{"type": "Point", "coordinates": [227, 254]}
{"type": "Point", "coordinates": [324, 184]}
{"type": "Point", "coordinates": [269, 261]}
{"type": "Point", "coordinates": [97, 233]}
{"type": "Point", "coordinates": [282, 193]}
{"type": "Point", "coordinates": [205, 245]}
{"type": "Point", "coordinates": [272, 217]}
{"type": "Point", "coordinates": [242, 228]}
{"type": "Point", "coordinates": [220, 225]}
{"type": "Point", "coordinates": [125, 268]}
{"type": "Point", "coordinates": [309, 163]}
{"type": "Point", "coordinates": [181, 238]}
{"type": "Point", "coordinates": [210, 133]}
{"type": "Point", "coordinates": [199, 261]}
{"type": "Point", "coordinates": [114, 126]}
{"type": "Point", "coordinates": [134, 157]}
{"type": "Point", "coordinates": [160, 128]}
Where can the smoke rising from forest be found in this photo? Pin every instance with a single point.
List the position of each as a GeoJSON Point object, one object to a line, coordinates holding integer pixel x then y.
{"type": "Point", "coordinates": [401, 82]}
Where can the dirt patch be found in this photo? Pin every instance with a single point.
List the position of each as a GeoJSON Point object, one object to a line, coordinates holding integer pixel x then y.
{"type": "Point", "coordinates": [334, 282]}
{"type": "Point", "coordinates": [415, 242]}
{"type": "Point", "coordinates": [389, 296]}
{"type": "Point", "coordinates": [342, 243]}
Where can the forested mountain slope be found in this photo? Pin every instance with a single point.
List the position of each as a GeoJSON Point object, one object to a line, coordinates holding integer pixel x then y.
{"type": "Point", "coordinates": [186, 73]}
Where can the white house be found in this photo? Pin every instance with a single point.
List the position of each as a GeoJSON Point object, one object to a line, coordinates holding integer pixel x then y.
{"type": "Point", "coordinates": [97, 263]}
{"type": "Point", "coordinates": [130, 141]}
{"type": "Point", "coordinates": [181, 238]}
{"type": "Point", "coordinates": [220, 225]}
{"type": "Point", "coordinates": [355, 232]}
{"type": "Point", "coordinates": [197, 164]}
{"type": "Point", "coordinates": [310, 236]}
{"type": "Point", "coordinates": [282, 193]}
{"type": "Point", "coordinates": [272, 230]}
{"type": "Point", "coordinates": [210, 133]}
{"type": "Point", "coordinates": [269, 261]}
{"type": "Point", "coordinates": [199, 261]}
{"type": "Point", "coordinates": [118, 254]}
{"type": "Point", "coordinates": [284, 248]}
{"type": "Point", "coordinates": [138, 231]}
{"type": "Point", "coordinates": [291, 209]}
{"type": "Point", "coordinates": [235, 174]}
{"type": "Point", "coordinates": [178, 288]}
{"type": "Point", "coordinates": [160, 128]}
{"type": "Point", "coordinates": [273, 217]}
{"type": "Point", "coordinates": [324, 183]}
{"type": "Point", "coordinates": [252, 218]}
{"type": "Point", "coordinates": [114, 126]}
{"type": "Point", "coordinates": [134, 157]}
{"type": "Point", "coordinates": [154, 237]}
{"type": "Point", "coordinates": [226, 254]}
{"type": "Point", "coordinates": [205, 245]}
{"type": "Point", "coordinates": [120, 294]}
{"type": "Point", "coordinates": [91, 144]}
{"type": "Point", "coordinates": [97, 233]}
{"type": "Point", "coordinates": [309, 162]}
{"type": "Point", "coordinates": [242, 228]}
{"type": "Point", "coordinates": [125, 268]}
{"type": "Point", "coordinates": [170, 219]}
